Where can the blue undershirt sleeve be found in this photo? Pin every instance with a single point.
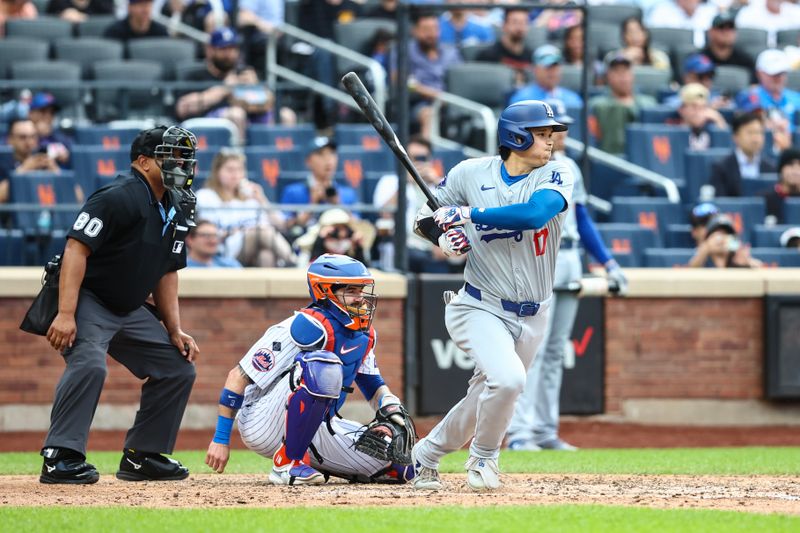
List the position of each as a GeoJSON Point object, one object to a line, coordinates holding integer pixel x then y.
{"type": "Point", "coordinates": [590, 237]}
{"type": "Point", "coordinates": [368, 384]}
{"type": "Point", "coordinates": [543, 205]}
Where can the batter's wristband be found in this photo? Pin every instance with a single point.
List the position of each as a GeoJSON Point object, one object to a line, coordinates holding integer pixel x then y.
{"type": "Point", "coordinates": [223, 433]}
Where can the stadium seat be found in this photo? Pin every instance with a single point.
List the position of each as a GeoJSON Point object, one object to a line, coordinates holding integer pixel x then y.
{"type": "Point", "coordinates": [650, 213]}
{"type": "Point", "coordinates": [536, 36]}
{"type": "Point", "coordinates": [183, 71]}
{"type": "Point", "coordinates": [571, 77]}
{"type": "Point", "coordinates": [603, 37]}
{"type": "Point", "coordinates": [45, 189]}
{"type": "Point", "coordinates": [788, 38]}
{"type": "Point", "coordinates": [679, 236]}
{"type": "Point", "coordinates": [105, 136]}
{"type": "Point", "coordinates": [362, 135]}
{"type": "Point", "coordinates": [281, 137]}
{"type": "Point", "coordinates": [95, 165]}
{"type": "Point", "coordinates": [698, 170]}
{"type": "Point", "coordinates": [730, 79]}
{"type": "Point", "coordinates": [354, 162]}
{"type": "Point", "coordinates": [613, 14]}
{"type": "Point", "coordinates": [204, 160]}
{"type": "Point", "coordinates": [144, 100]}
{"type": "Point", "coordinates": [15, 50]}
{"type": "Point", "coordinates": [168, 51]}
{"type": "Point", "coordinates": [368, 185]}
{"type": "Point", "coordinates": [755, 186]}
{"type": "Point", "coordinates": [94, 26]}
{"type": "Point", "coordinates": [489, 84]}
{"type": "Point", "coordinates": [668, 257]}
{"type": "Point", "coordinates": [11, 247]}
{"type": "Point", "coordinates": [212, 137]}
{"type": "Point", "coordinates": [357, 36]}
{"type": "Point", "coordinates": [657, 114]}
{"type": "Point", "coordinates": [745, 212]}
{"type": "Point", "coordinates": [445, 160]}
{"type": "Point", "coordinates": [45, 71]}
{"type": "Point", "coordinates": [471, 52]}
{"type": "Point", "coordinates": [265, 164]}
{"type": "Point", "coordinates": [669, 39]}
{"type": "Point", "coordinates": [721, 138]}
{"type": "Point", "coordinates": [88, 51]}
{"type": "Point", "coordinates": [751, 36]}
{"type": "Point", "coordinates": [629, 238]}
{"type": "Point", "coordinates": [768, 236]}
{"type": "Point", "coordinates": [658, 147]}
{"type": "Point", "coordinates": [791, 211]}
{"type": "Point", "coordinates": [42, 28]}
{"type": "Point", "coordinates": [650, 80]}
{"type": "Point", "coordinates": [777, 257]}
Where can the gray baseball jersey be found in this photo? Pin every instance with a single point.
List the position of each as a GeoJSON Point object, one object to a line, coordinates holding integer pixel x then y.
{"type": "Point", "coordinates": [579, 196]}
{"type": "Point", "coordinates": [514, 265]}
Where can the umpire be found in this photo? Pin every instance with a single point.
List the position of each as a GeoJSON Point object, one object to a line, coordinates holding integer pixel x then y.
{"type": "Point", "coordinates": [127, 242]}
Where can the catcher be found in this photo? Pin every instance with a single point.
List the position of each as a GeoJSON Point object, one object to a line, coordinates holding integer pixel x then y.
{"type": "Point", "coordinates": [290, 385]}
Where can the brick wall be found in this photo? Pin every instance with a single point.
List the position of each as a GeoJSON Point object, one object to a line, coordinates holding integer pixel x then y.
{"type": "Point", "coordinates": [223, 328]}
{"type": "Point", "coordinates": [683, 348]}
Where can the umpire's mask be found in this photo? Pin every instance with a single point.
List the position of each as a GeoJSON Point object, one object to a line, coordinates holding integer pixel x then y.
{"type": "Point", "coordinates": [175, 156]}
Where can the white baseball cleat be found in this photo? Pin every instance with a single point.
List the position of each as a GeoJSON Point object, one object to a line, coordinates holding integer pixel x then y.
{"type": "Point", "coordinates": [425, 478]}
{"type": "Point", "coordinates": [557, 444]}
{"type": "Point", "coordinates": [523, 445]}
{"type": "Point", "coordinates": [482, 473]}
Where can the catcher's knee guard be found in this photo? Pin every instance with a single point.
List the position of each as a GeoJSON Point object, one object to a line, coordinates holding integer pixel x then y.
{"type": "Point", "coordinates": [317, 383]}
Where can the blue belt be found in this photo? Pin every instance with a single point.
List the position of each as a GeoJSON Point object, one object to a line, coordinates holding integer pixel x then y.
{"type": "Point", "coordinates": [518, 308]}
{"type": "Point", "coordinates": [568, 244]}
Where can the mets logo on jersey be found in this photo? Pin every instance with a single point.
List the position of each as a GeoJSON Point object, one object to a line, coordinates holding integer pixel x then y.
{"type": "Point", "coordinates": [555, 177]}
{"type": "Point", "coordinates": [263, 360]}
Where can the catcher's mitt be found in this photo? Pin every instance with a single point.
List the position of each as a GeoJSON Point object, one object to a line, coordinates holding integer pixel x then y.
{"type": "Point", "coordinates": [386, 439]}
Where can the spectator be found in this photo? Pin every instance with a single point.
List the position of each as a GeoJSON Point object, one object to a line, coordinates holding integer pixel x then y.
{"type": "Point", "coordinates": [636, 46]}
{"type": "Point", "coordinates": [261, 15]}
{"type": "Point", "coordinates": [698, 219]}
{"type": "Point", "coordinates": [696, 113]}
{"type": "Point", "coordinates": [572, 45]}
{"type": "Point", "coordinates": [722, 247]}
{"type": "Point", "coordinates": [457, 28]}
{"type": "Point", "coordinates": [688, 14]}
{"type": "Point", "coordinates": [771, 94]}
{"type": "Point", "coordinates": [77, 11]}
{"type": "Point", "coordinates": [510, 49]}
{"type": "Point", "coordinates": [791, 238]}
{"type": "Point", "coordinates": [547, 61]}
{"type": "Point", "coordinates": [555, 20]}
{"type": "Point", "coordinates": [698, 68]}
{"type": "Point", "coordinates": [236, 205]}
{"type": "Point", "coordinates": [204, 15]}
{"type": "Point", "coordinates": [423, 256]}
{"type": "Point", "coordinates": [337, 233]}
{"type": "Point", "coordinates": [321, 16]}
{"type": "Point", "coordinates": [42, 111]}
{"type": "Point", "coordinates": [385, 9]}
{"type": "Point", "coordinates": [138, 24]}
{"type": "Point", "coordinates": [239, 97]}
{"type": "Point", "coordinates": [788, 185]}
{"type": "Point", "coordinates": [721, 45]}
{"type": "Point", "coordinates": [202, 244]}
{"type": "Point", "coordinates": [770, 15]}
{"type": "Point", "coordinates": [320, 188]}
{"type": "Point", "coordinates": [612, 112]}
{"type": "Point", "coordinates": [16, 9]}
{"type": "Point", "coordinates": [746, 160]}
{"type": "Point", "coordinates": [428, 61]}
{"type": "Point", "coordinates": [26, 155]}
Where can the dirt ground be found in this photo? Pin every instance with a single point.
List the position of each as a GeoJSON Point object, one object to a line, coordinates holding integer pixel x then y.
{"type": "Point", "coordinates": [760, 494]}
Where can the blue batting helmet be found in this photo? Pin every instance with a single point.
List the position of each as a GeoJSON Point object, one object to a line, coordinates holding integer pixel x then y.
{"type": "Point", "coordinates": [331, 272]}
{"type": "Point", "coordinates": [516, 120]}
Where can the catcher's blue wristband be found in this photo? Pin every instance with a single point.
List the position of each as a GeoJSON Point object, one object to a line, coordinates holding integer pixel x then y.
{"type": "Point", "coordinates": [231, 399]}
{"type": "Point", "coordinates": [223, 433]}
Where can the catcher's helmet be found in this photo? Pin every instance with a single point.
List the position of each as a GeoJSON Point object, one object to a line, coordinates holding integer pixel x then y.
{"type": "Point", "coordinates": [513, 128]}
{"type": "Point", "coordinates": [331, 272]}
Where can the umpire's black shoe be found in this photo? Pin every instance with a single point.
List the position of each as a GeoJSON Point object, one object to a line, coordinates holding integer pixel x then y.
{"type": "Point", "coordinates": [142, 466]}
{"type": "Point", "coordinates": [66, 466]}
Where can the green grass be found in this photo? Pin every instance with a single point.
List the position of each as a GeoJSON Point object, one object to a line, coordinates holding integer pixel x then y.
{"type": "Point", "coordinates": [697, 461]}
{"type": "Point", "coordinates": [563, 519]}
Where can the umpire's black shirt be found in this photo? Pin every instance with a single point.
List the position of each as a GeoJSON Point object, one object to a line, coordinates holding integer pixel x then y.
{"type": "Point", "coordinates": [134, 239]}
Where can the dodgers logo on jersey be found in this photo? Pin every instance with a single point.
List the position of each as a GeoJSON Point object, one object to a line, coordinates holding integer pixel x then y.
{"type": "Point", "coordinates": [555, 177]}
{"type": "Point", "coordinates": [489, 237]}
{"type": "Point", "coordinates": [263, 360]}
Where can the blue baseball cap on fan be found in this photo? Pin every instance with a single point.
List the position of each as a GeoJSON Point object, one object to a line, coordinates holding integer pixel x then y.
{"type": "Point", "coordinates": [224, 37]}
{"type": "Point", "coordinates": [698, 64]}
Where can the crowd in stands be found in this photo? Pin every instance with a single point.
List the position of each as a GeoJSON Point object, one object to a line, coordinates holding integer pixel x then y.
{"type": "Point", "coordinates": [705, 93]}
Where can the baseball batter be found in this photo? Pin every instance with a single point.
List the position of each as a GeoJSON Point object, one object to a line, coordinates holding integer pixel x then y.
{"type": "Point", "coordinates": [510, 210]}
{"type": "Point", "coordinates": [290, 385]}
{"type": "Point", "coordinates": [535, 422]}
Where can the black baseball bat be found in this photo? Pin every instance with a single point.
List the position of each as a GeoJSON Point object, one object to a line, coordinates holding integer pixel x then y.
{"type": "Point", "coordinates": [356, 89]}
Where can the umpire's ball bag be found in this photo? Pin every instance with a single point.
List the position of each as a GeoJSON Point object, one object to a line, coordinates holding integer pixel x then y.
{"type": "Point", "coordinates": [44, 308]}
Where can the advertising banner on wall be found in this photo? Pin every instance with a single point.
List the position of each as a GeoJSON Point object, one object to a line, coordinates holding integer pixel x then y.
{"type": "Point", "coordinates": [444, 370]}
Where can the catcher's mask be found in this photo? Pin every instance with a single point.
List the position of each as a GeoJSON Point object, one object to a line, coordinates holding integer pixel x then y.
{"type": "Point", "coordinates": [175, 156]}
{"type": "Point", "coordinates": [346, 286]}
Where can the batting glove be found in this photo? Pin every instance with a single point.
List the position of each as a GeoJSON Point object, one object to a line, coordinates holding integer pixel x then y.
{"type": "Point", "coordinates": [451, 216]}
{"type": "Point", "coordinates": [618, 283]}
{"type": "Point", "coordinates": [454, 242]}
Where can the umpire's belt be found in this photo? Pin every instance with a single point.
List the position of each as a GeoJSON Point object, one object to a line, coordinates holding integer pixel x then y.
{"type": "Point", "coordinates": [518, 308]}
{"type": "Point", "coordinates": [568, 244]}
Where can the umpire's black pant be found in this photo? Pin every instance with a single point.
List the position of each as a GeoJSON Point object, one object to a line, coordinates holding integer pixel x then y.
{"type": "Point", "coordinates": [141, 343]}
